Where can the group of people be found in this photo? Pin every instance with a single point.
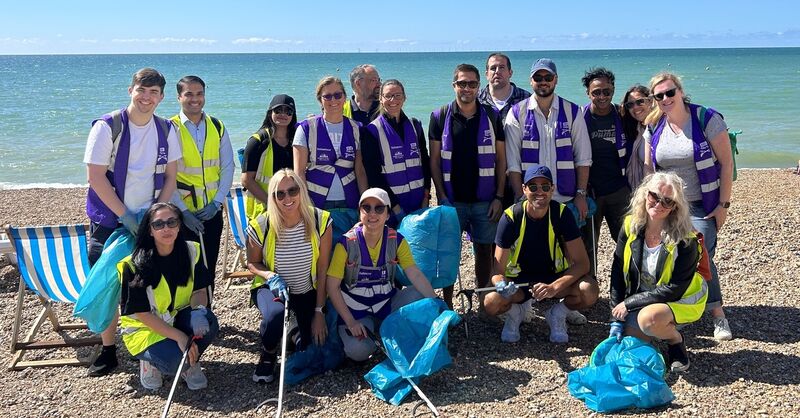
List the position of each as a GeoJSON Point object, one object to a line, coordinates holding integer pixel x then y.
{"type": "Point", "coordinates": [531, 177]}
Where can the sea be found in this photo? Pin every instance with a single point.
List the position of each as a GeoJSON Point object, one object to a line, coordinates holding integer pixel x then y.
{"type": "Point", "coordinates": [47, 102]}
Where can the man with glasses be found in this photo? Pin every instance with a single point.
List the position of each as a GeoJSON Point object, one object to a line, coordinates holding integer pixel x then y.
{"type": "Point", "coordinates": [466, 140]}
{"type": "Point", "coordinates": [500, 93]}
{"type": "Point", "coordinates": [608, 185]}
{"type": "Point", "coordinates": [363, 105]}
{"type": "Point", "coordinates": [539, 257]}
{"type": "Point", "coordinates": [549, 130]}
{"type": "Point", "coordinates": [205, 173]}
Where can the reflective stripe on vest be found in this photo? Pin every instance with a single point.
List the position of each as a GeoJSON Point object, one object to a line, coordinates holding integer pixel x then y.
{"type": "Point", "coordinates": [708, 168]}
{"type": "Point", "coordinates": [252, 206]}
{"type": "Point", "coordinates": [268, 239]}
{"type": "Point", "coordinates": [619, 134]}
{"type": "Point", "coordinates": [401, 162]}
{"type": "Point", "coordinates": [486, 153]}
{"type": "Point", "coordinates": [136, 335]}
{"type": "Point", "coordinates": [560, 263]}
{"type": "Point", "coordinates": [323, 162]}
{"type": "Point", "coordinates": [691, 305]}
{"type": "Point", "coordinates": [198, 176]}
{"type": "Point", "coordinates": [566, 180]}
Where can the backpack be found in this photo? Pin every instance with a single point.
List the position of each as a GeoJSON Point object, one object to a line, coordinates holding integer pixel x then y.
{"type": "Point", "coordinates": [353, 265]}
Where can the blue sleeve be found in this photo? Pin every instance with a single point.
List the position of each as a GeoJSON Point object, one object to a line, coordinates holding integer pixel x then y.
{"type": "Point", "coordinates": [568, 227]}
{"type": "Point", "coordinates": [506, 232]}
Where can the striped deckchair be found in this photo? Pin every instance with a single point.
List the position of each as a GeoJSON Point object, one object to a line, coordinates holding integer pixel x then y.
{"type": "Point", "coordinates": [237, 220]}
{"type": "Point", "coordinates": [53, 263]}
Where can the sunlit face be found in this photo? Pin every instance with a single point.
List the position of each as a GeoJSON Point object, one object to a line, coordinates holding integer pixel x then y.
{"type": "Point", "coordinates": [145, 99]}
{"type": "Point", "coordinates": [165, 235]}
{"type": "Point", "coordinates": [498, 72]}
{"type": "Point", "coordinates": [330, 104]}
{"type": "Point", "coordinates": [638, 105]}
{"type": "Point", "coordinates": [668, 104]}
{"type": "Point", "coordinates": [392, 99]}
{"type": "Point", "coordinates": [539, 198]}
{"type": "Point", "coordinates": [281, 115]}
{"type": "Point", "coordinates": [287, 196]}
{"type": "Point", "coordinates": [192, 99]}
{"type": "Point", "coordinates": [370, 84]}
{"type": "Point", "coordinates": [601, 93]}
{"type": "Point", "coordinates": [660, 202]}
{"type": "Point", "coordinates": [370, 219]}
{"type": "Point", "coordinates": [466, 86]}
{"type": "Point", "coordinates": [542, 87]}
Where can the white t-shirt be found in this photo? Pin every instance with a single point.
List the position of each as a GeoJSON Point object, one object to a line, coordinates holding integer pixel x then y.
{"type": "Point", "coordinates": [141, 162]}
{"type": "Point", "coordinates": [335, 132]}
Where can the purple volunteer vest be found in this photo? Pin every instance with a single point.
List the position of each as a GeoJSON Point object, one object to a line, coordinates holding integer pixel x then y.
{"type": "Point", "coordinates": [369, 275]}
{"type": "Point", "coordinates": [96, 210]}
{"type": "Point", "coordinates": [708, 169]}
{"type": "Point", "coordinates": [401, 162]}
{"type": "Point", "coordinates": [565, 161]}
{"type": "Point", "coordinates": [620, 142]}
{"type": "Point", "coordinates": [486, 154]}
{"type": "Point", "coordinates": [320, 173]}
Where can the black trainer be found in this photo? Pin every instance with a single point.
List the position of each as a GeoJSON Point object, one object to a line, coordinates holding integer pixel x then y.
{"type": "Point", "coordinates": [105, 363]}
{"type": "Point", "coordinates": [678, 357]}
{"type": "Point", "coordinates": [265, 369]}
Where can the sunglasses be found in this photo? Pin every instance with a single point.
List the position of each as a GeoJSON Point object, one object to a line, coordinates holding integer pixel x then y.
{"type": "Point", "coordinates": [283, 110]}
{"type": "Point", "coordinates": [393, 97]}
{"type": "Point", "coordinates": [637, 102]}
{"type": "Point", "coordinates": [669, 93]}
{"type": "Point", "coordinates": [539, 78]}
{"type": "Point", "coordinates": [377, 209]}
{"type": "Point", "coordinates": [534, 187]}
{"type": "Point", "coordinates": [462, 84]}
{"type": "Point", "coordinates": [602, 92]}
{"type": "Point", "coordinates": [292, 192]}
{"type": "Point", "coordinates": [158, 224]}
{"type": "Point", "coordinates": [665, 202]}
{"type": "Point", "coordinates": [335, 96]}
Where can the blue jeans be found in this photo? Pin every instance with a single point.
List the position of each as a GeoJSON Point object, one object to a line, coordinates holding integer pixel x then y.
{"type": "Point", "coordinates": [708, 227]}
{"type": "Point", "coordinates": [475, 217]}
{"type": "Point", "coordinates": [166, 356]}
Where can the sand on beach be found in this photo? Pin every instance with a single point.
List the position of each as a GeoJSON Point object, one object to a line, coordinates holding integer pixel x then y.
{"type": "Point", "coordinates": [756, 374]}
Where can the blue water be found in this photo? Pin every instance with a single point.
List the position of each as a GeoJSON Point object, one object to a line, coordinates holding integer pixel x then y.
{"type": "Point", "coordinates": [48, 102]}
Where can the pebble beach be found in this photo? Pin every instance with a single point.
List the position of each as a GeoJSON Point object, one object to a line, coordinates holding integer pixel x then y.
{"type": "Point", "coordinates": [756, 374]}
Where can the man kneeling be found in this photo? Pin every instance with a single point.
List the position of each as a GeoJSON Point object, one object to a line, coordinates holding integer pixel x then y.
{"type": "Point", "coordinates": [539, 243]}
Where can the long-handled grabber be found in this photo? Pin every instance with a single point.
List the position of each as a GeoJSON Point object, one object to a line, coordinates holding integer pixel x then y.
{"type": "Point", "coordinates": [165, 412]}
{"type": "Point", "coordinates": [284, 339]}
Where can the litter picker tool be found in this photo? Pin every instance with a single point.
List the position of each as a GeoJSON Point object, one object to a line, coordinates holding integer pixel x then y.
{"type": "Point", "coordinates": [284, 339]}
{"type": "Point", "coordinates": [165, 412]}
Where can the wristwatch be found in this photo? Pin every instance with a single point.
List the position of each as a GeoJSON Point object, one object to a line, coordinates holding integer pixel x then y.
{"type": "Point", "coordinates": [581, 192]}
{"type": "Point", "coordinates": [318, 309]}
{"type": "Point", "coordinates": [725, 205]}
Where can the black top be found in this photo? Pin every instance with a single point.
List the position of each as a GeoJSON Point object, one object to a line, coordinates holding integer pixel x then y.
{"type": "Point", "coordinates": [281, 156]}
{"type": "Point", "coordinates": [605, 175]}
{"type": "Point", "coordinates": [372, 157]}
{"type": "Point", "coordinates": [360, 116]}
{"type": "Point", "coordinates": [465, 149]}
{"type": "Point", "coordinates": [534, 258]}
{"type": "Point", "coordinates": [134, 295]}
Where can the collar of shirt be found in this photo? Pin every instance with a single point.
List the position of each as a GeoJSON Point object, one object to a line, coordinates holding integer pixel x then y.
{"type": "Point", "coordinates": [198, 131]}
{"type": "Point", "coordinates": [554, 106]}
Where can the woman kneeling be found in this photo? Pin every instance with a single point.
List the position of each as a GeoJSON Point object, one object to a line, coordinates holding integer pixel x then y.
{"type": "Point", "coordinates": [164, 299]}
{"type": "Point", "coordinates": [655, 285]}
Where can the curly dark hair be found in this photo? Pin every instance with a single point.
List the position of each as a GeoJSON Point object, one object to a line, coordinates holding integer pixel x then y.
{"type": "Point", "coordinates": [599, 72]}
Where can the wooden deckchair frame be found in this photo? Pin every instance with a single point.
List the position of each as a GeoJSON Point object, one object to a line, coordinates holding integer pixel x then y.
{"type": "Point", "coordinates": [236, 268]}
{"type": "Point", "coordinates": [30, 342]}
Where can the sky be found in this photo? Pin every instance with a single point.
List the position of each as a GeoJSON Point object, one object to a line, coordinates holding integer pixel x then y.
{"type": "Point", "coordinates": [98, 27]}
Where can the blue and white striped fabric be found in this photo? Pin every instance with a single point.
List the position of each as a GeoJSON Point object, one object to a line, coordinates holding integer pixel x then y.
{"type": "Point", "coordinates": [52, 260]}
{"type": "Point", "coordinates": [237, 219]}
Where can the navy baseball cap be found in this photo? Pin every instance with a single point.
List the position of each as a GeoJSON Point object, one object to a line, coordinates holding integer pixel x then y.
{"type": "Point", "coordinates": [281, 100]}
{"type": "Point", "coordinates": [537, 171]}
{"type": "Point", "coordinates": [544, 64]}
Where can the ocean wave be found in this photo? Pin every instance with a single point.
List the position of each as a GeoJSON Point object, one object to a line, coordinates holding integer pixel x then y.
{"type": "Point", "coordinates": [21, 186]}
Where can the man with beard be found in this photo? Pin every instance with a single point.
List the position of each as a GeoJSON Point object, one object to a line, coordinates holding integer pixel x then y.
{"type": "Point", "coordinates": [363, 105]}
{"type": "Point", "coordinates": [549, 130]}
{"type": "Point", "coordinates": [466, 142]}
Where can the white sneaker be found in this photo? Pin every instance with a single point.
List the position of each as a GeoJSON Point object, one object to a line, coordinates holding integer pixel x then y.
{"type": "Point", "coordinates": [149, 375]}
{"type": "Point", "coordinates": [530, 313]}
{"type": "Point", "coordinates": [194, 377]}
{"type": "Point", "coordinates": [722, 330]}
{"type": "Point", "coordinates": [514, 316]}
{"type": "Point", "coordinates": [576, 318]}
{"type": "Point", "coordinates": [556, 318]}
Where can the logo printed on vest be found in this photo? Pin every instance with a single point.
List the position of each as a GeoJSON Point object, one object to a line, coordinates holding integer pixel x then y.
{"type": "Point", "coordinates": [563, 129]}
{"type": "Point", "coordinates": [398, 156]}
{"type": "Point", "coordinates": [414, 149]}
{"type": "Point", "coordinates": [704, 149]}
{"type": "Point", "coordinates": [487, 136]}
{"type": "Point", "coordinates": [323, 158]}
{"type": "Point", "coordinates": [349, 152]}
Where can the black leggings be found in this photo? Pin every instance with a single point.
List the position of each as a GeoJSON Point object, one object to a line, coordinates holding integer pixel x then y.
{"type": "Point", "coordinates": [271, 328]}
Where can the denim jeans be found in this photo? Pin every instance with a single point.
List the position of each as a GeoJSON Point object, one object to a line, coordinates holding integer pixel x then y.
{"type": "Point", "coordinates": [166, 356]}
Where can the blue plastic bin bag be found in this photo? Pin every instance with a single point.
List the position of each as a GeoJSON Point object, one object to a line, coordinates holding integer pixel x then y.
{"type": "Point", "coordinates": [99, 300]}
{"type": "Point", "coordinates": [415, 338]}
{"type": "Point", "coordinates": [621, 375]}
{"type": "Point", "coordinates": [591, 209]}
{"type": "Point", "coordinates": [316, 359]}
{"type": "Point", "coordinates": [343, 220]}
{"type": "Point", "coordinates": [434, 236]}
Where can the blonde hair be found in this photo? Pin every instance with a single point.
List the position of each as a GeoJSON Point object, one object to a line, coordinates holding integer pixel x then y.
{"type": "Point", "coordinates": [678, 224]}
{"type": "Point", "coordinates": [326, 81]}
{"type": "Point", "coordinates": [655, 114]}
{"type": "Point", "coordinates": [276, 219]}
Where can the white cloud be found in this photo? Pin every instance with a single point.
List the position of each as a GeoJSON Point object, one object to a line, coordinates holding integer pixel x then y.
{"type": "Point", "coordinates": [396, 41]}
{"type": "Point", "coordinates": [256, 40]}
{"type": "Point", "coordinates": [23, 41]}
{"type": "Point", "coordinates": [88, 41]}
{"type": "Point", "coordinates": [167, 40]}
{"type": "Point", "coordinates": [584, 35]}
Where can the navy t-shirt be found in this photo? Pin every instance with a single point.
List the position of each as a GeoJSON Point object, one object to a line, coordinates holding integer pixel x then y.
{"type": "Point", "coordinates": [605, 175]}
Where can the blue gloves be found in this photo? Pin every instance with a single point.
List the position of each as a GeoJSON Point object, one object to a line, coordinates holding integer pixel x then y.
{"type": "Point", "coordinates": [616, 330]}
{"type": "Point", "coordinates": [506, 289]}
{"type": "Point", "coordinates": [199, 321]}
{"type": "Point", "coordinates": [195, 225]}
{"type": "Point", "coordinates": [209, 211]}
{"type": "Point", "coordinates": [128, 220]}
{"type": "Point", "coordinates": [278, 287]}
